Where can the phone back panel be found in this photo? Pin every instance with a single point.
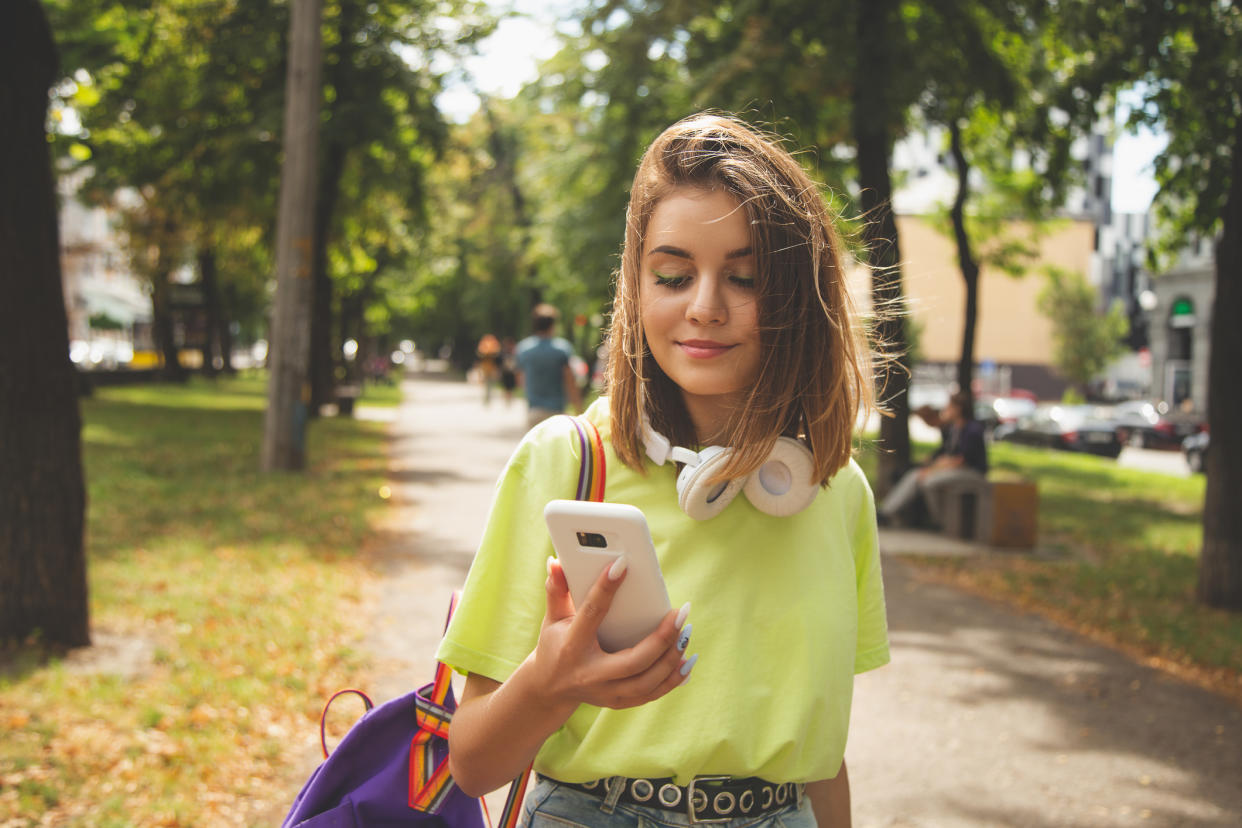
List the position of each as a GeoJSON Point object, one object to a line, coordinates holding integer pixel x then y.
{"type": "Point", "coordinates": [578, 527]}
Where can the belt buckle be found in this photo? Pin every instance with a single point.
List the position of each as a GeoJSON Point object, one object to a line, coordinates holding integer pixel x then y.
{"type": "Point", "coordinates": [690, 791]}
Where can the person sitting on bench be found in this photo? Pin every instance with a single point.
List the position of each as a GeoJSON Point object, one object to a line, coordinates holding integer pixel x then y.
{"type": "Point", "coordinates": [962, 456]}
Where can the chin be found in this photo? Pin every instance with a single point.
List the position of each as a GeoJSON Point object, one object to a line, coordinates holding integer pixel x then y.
{"type": "Point", "coordinates": [709, 386]}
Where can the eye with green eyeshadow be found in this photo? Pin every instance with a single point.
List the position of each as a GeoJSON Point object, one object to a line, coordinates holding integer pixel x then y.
{"type": "Point", "coordinates": [670, 280]}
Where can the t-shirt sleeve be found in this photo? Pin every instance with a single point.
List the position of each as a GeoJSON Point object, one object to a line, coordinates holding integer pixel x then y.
{"type": "Point", "coordinates": [497, 621]}
{"type": "Point", "coordinates": [872, 648]}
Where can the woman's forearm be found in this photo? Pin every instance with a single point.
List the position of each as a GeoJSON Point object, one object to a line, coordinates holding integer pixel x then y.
{"type": "Point", "coordinates": [830, 799]}
{"type": "Point", "coordinates": [498, 729]}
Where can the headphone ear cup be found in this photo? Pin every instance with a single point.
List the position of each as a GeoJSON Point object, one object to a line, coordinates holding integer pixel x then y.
{"type": "Point", "coordinates": [698, 497]}
{"type": "Point", "coordinates": [784, 484]}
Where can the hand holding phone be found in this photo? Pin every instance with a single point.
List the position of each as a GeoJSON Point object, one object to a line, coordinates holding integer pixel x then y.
{"type": "Point", "coordinates": [589, 537]}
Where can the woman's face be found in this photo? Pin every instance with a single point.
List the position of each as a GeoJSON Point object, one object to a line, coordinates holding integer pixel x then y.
{"type": "Point", "coordinates": [697, 299]}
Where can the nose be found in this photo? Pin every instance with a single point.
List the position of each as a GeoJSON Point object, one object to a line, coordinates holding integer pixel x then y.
{"type": "Point", "coordinates": [707, 304]}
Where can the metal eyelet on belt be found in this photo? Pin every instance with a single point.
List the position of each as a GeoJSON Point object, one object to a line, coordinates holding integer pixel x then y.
{"type": "Point", "coordinates": [670, 795]}
{"type": "Point", "coordinates": [648, 790]}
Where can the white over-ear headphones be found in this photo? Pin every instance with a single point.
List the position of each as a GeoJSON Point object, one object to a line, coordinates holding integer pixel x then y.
{"type": "Point", "coordinates": [782, 486]}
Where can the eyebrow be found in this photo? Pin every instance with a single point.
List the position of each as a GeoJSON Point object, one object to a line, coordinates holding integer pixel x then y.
{"type": "Point", "coordinates": [740, 253]}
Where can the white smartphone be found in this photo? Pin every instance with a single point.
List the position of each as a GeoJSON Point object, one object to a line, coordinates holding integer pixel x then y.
{"type": "Point", "coordinates": [588, 537]}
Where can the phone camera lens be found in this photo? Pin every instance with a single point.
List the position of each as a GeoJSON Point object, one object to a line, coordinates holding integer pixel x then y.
{"type": "Point", "coordinates": [594, 539]}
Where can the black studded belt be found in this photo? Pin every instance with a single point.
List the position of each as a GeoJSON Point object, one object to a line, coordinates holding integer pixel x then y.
{"type": "Point", "coordinates": [705, 799]}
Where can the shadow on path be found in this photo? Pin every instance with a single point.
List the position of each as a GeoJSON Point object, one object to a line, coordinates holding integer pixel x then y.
{"type": "Point", "coordinates": [991, 716]}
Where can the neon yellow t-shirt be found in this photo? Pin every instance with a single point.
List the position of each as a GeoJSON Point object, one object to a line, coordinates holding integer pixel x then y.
{"type": "Point", "coordinates": [785, 612]}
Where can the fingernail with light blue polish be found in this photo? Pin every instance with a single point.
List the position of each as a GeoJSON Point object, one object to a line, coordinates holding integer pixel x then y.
{"type": "Point", "coordinates": [684, 639]}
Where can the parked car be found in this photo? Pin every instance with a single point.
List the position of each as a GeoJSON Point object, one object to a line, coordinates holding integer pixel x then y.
{"type": "Point", "coordinates": [997, 411]}
{"type": "Point", "coordinates": [1085, 428]}
{"type": "Point", "coordinates": [1195, 448]}
{"type": "Point", "coordinates": [1145, 424]}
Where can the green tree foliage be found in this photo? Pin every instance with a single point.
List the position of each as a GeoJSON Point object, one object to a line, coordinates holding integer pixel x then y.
{"type": "Point", "coordinates": [475, 269]}
{"type": "Point", "coordinates": [1084, 341]}
{"type": "Point", "coordinates": [380, 125]}
{"type": "Point", "coordinates": [180, 106]}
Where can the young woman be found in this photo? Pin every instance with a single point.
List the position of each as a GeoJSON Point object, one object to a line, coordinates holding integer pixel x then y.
{"type": "Point", "coordinates": [731, 327]}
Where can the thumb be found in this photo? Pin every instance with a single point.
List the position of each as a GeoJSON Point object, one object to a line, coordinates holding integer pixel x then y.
{"type": "Point", "coordinates": [560, 605]}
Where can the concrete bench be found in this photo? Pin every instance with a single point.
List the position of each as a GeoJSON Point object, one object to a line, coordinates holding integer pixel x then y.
{"type": "Point", "coordinates": [346, 396]}
{"type": "Point", "coordinates": [998, 512]}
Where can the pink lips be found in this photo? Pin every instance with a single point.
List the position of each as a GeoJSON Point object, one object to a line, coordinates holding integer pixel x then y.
{"type": "Point", "coordinates": [702, 348]}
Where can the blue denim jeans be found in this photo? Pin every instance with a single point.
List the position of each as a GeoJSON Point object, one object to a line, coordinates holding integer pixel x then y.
{"type": "Point", "coordinates": [552, 805]}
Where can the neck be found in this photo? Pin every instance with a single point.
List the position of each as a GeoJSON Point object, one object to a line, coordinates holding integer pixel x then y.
{"type": "Point", "coordinates": [711, 417]}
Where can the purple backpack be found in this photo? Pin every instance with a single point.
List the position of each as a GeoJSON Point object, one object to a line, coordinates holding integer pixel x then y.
{"type": "Point", "coordinates": [391, 769]}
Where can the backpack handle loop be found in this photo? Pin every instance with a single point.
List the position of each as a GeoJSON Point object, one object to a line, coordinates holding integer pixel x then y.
{"type": "Point", "coordinates": [323, 717]}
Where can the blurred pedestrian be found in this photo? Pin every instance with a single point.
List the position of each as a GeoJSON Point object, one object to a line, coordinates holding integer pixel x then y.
{"type": "Point", "coordinates": [731, 330]}
{"type": "Point", "coordinates": [962, 456]}
{"type": "Point", "coordinates": [544, 368]}
{"type": "Point", "coordinates": [488, 353]}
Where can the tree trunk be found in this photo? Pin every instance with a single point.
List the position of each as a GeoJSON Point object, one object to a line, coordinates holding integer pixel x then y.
{"type": "Point", "coordinates": [43, 588]}
{"type": "Point", "coordinates": [284, 425]}
{"type": "Point", "coordinates": [322, 355]}
{"type": "Point", "coordinates": [162, 321]}
{"type": "Point", "coordinates": [872, 126]}
{"type": "Point", "coordinates": [1220, 564]}
{"type": "Point", "coordinates": [969, 267]}
{"type": "Point", "coordinates": [225, 337]}
{"type": "Point", "coordinates": [228, 305]}
{"type": "Point", "coordinates": [211, 307]}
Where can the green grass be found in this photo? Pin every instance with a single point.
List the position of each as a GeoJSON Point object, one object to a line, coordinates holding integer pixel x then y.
{"type": "Point", "coordinates": [243, 587]}
{"type": "Point", "coordinates": [1117, 559]}
{"type": "Point", "coordinates": [380, 394]}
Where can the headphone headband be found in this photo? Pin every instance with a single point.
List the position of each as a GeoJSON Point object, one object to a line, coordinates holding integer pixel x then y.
{"type": "Point", "coordinates": [660, 450]}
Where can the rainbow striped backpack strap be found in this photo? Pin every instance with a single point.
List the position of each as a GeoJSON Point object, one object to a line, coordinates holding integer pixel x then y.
{"type": "Point", "coordinates": [430, 785]}
{"type": "Point", "coordinates": [430, 782]}
{"type": "Point", "coordinates": [591, 471]}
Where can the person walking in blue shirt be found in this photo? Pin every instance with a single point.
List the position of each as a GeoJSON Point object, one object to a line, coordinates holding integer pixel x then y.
{"type": "Point", "coordinates": [543, 363]}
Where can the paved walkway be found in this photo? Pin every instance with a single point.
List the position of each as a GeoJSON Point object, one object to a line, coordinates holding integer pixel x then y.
{"type": "Point", "coordinates": [986, 717]}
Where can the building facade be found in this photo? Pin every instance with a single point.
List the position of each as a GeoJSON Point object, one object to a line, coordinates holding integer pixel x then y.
{"type": "Point", "coordinates": [1179, 317]}
{"type": "Point", "coordinates": [108, 307]}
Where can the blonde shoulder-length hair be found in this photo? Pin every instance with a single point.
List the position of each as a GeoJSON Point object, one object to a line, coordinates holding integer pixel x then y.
{"type": "Point", "coordinates": [815, 373]}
